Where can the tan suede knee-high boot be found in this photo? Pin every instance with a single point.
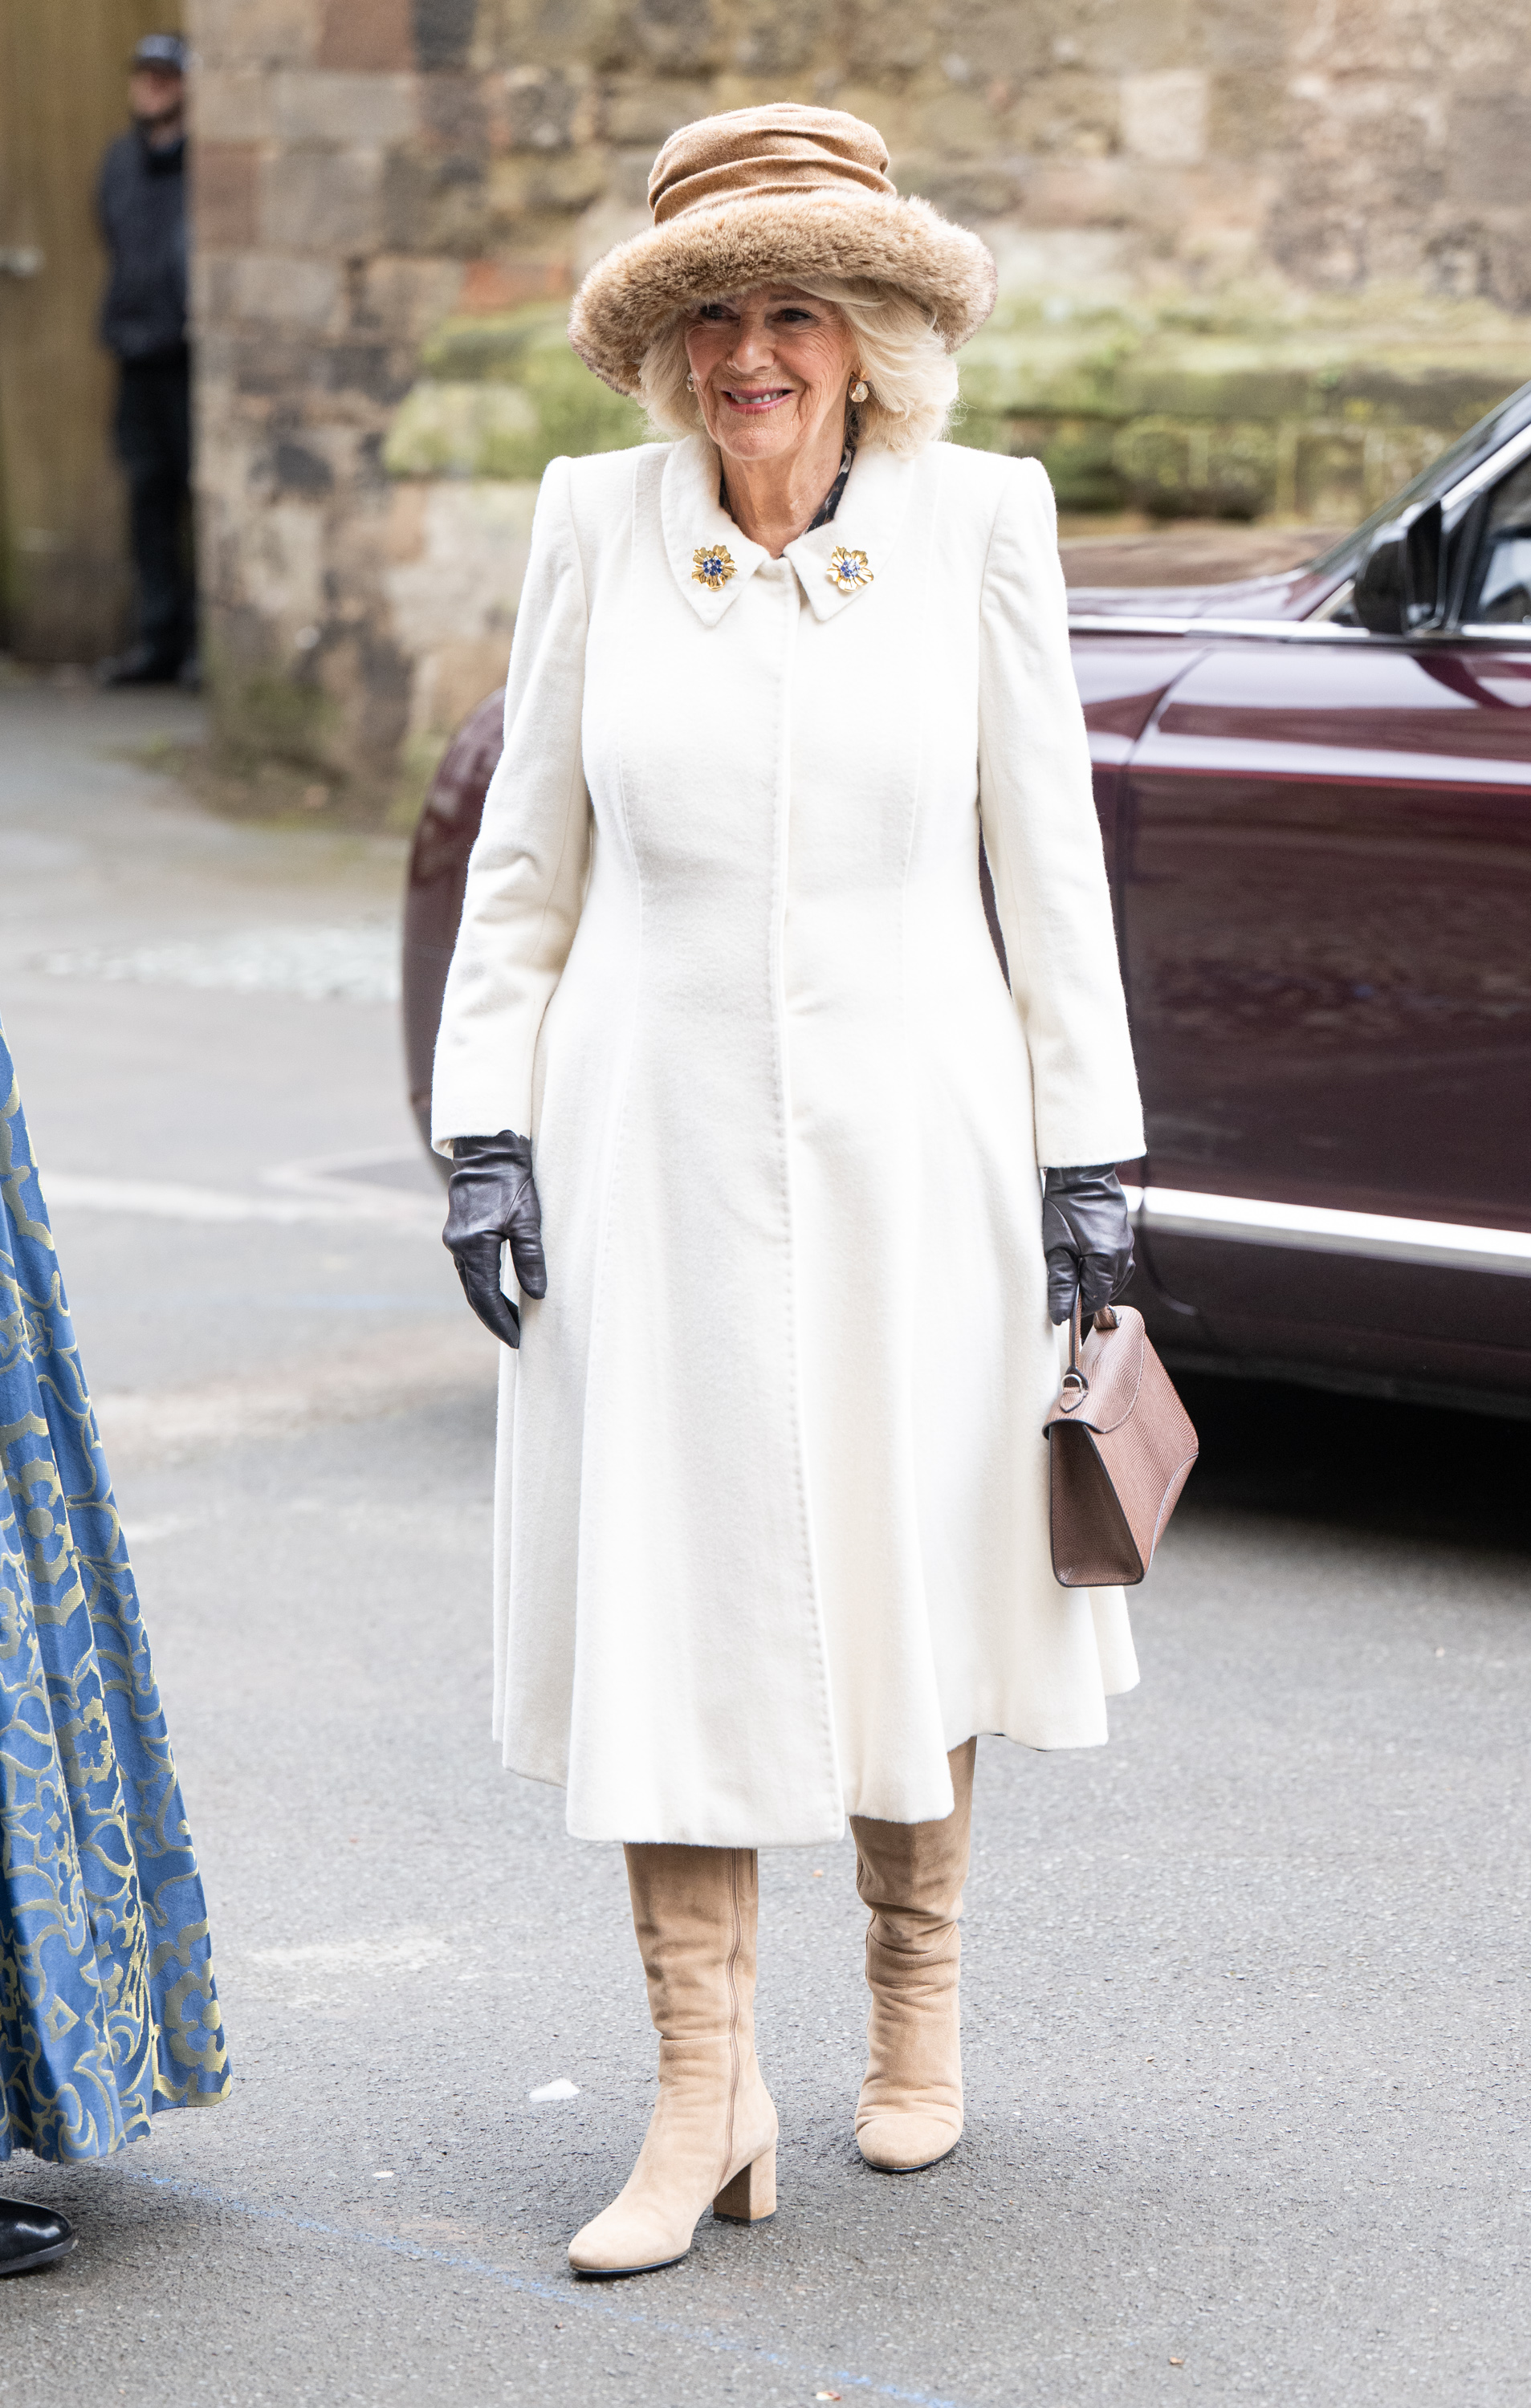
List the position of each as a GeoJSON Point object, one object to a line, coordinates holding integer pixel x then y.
{"type": "Point", "coordinates": [712, 2133]}
{"type": "Point", "coordinates": [910, 1876]}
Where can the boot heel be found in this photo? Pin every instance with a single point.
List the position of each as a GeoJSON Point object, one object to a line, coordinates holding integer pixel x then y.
{"type": "Point", "coordinates": [752, 2193]}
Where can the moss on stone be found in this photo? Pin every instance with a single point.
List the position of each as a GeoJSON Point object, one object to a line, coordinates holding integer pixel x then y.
{"type": "Point", "coordinates": [500, 397]}
{"type": "Point", "coordinates": [1241, 404]}
{"type": "Point", "coordinates": [466, 430]}
{"type": "Point", "coordinates": [1237, 407]}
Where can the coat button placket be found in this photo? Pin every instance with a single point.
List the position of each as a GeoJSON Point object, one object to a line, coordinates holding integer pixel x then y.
{"type": "Point", "coordinates": [781, 574]}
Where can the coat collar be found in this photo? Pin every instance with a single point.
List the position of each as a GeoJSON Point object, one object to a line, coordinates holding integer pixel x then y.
{"type": "Point", "coordinates": [694, 520]}
{"type": "Point", "coordinates": [869, 518]}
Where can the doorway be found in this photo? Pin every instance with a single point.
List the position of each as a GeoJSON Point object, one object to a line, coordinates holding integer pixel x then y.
{"type": "Point", "coordinates": [63, 577]}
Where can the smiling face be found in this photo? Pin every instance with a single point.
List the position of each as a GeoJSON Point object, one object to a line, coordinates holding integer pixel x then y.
{"type": "Point", "coordinates": [771, 370]}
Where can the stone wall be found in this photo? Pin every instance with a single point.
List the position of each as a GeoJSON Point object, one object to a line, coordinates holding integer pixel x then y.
{"type": "Point", "coordinates": [1255, 256]}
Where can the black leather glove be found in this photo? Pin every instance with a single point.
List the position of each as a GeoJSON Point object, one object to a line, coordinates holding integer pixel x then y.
{"type": "Point", "coordinates": [1087, 1237]}
{"type": "Point", "coordinates": [492, 1201]}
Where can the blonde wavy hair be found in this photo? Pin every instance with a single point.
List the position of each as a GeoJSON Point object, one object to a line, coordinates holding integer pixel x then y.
{"type": "Point", "coordinates": [910, 375]}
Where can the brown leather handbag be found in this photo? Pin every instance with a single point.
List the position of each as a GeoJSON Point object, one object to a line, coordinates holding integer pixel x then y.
{"type": "Point", "coordinates": [1121, 1446]}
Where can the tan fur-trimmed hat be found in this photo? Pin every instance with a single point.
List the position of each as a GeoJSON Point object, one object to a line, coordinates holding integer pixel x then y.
{"type": "Point", "coordinates": [757, 196]}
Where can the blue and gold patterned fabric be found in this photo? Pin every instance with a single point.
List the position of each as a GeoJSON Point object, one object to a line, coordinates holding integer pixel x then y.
{"type": "Point", "coordinates": [107, 2008]}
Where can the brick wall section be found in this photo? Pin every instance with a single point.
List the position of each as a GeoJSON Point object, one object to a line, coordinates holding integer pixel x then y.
{"type": "Point", "coordinates": [366, 168]}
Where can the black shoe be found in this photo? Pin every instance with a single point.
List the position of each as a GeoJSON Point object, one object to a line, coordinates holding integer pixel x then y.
{"type": "Point", "coordinates": [32, 2237]}
{"type": "Point", "coordinates": [143, 665]}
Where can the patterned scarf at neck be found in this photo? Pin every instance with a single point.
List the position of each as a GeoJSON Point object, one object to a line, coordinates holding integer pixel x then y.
{"type": "Point", "coordinates": [827, 507]}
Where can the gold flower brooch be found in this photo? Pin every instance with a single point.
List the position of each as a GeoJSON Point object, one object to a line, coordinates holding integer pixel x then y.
{"type": "Point", "coordinates": [848, 571]}
{"type": "Point", "coordinates": [711, 566]}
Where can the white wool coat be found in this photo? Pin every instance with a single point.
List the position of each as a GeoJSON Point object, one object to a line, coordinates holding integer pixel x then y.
{"type": "Point", "coordinates": [772, 1506]}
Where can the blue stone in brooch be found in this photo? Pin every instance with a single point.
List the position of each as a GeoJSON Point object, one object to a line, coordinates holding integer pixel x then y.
{"type": "Point", "coordinates": [848, 571]}
{"type": "Point", "coordinates": [711, 566]}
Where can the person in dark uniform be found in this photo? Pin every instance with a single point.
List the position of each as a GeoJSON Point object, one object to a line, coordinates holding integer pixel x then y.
{"type": "Point", "coordinates": [141, 208]}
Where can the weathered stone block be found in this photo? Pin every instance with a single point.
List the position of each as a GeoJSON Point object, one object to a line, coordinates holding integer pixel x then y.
{"type": "Point", "coordinates": [1233, 37]}
{"type": "Point", "coordinates": [225, 195]}
{"type": "Point", "coordinates": [1490, 150]}
{"type": "Point", "coordinates": [343, 107]}
{"type": "Point", "coordinates": [776, 37]}
{"type": "Point", "coordinates": [366, 378]}
{"type": "Point", "coordinates": [1081, 192]}
{"type": "Point", "coordinates": [282, 564]}
{"type": "Point", "coordinates": [1134, 37]}
{"type": "Point", "coordinates": [403, 298]}
{"type": "Point", "coordinates": [888, 37]}
{"type": "Point", "coordinates": [492, 286]}
{"type": "Point", "coordinates": [365, 34]}
{"type": "Point", "coordinates": [645, 111]}
{"type": "Point", "coordinates": [231, 103]}
{"type": "Point", "coordinates": [452, 594]}
{"type": "Point", "coordinates": [539, 107]}
{"type": "Point", "coordinates": [677, 36]}
{"type": "Point", "coordinates": [611, 220]}
{"type": "Point", "coordinates": [518, 33]}
{"type": "Point", "coordinates": [629, 188]}
{"type": "Point", "coordinates": [525, 185]}
{"type": "Point", "coordinates": [980, 43]}
{"type": "Point", "coordinates": [321, 201]}
{"type": "Point", "coordinates": [1073, 113]}
{"type": "Point", "coordinates": [1246, 114]}
{"type": "Point", "coordinates": [456, 115]}
{"type": "Point", "coordinates": [298, 468]}
{"type": "Point", "coordinates": [1164, 116]}
{"type": "Point", "coordinates": [443, 31]}
{"type": "Point", "coordinates": [288, 291]}
{"type": "Point", "coordinates": [958, 124]}
{"type": "Point", "coordinates": [434, 205]}
{"type": "Point", "coordinates": [255, 32]}
{"type": "Point", "coordinates": [1506, 275]}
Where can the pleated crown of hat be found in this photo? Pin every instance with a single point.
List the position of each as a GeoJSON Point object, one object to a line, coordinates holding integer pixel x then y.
{"type": "Point", "coordinates": [763, 197]}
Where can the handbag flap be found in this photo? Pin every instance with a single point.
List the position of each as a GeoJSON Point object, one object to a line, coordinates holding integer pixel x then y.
{"type": "Point", "coordinates": [1112, 1362]}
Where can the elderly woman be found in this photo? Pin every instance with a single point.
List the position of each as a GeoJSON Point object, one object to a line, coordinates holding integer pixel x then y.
{"type": "Point", "coordinates": [725, 1021]}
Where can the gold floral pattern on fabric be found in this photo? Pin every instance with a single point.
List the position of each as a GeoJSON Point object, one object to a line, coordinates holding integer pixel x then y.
{"type": "Point", "coordinates": [848, 569]}
{"type": "Point", "coordinates": [107, 2005]}
{"type": "Point", "coordinates": [711, 566]}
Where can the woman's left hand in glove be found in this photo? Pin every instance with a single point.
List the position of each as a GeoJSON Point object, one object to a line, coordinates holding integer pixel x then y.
{"type": "Point", "coordinates": [492, 1201]}
{"type": "Point", "coordinates": [1087, 1237]}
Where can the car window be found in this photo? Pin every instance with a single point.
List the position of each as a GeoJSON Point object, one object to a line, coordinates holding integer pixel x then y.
{"type": "Point", "coordinates": [1499, 424]}
{"type": "Point", "coordinates": [1500, 592]}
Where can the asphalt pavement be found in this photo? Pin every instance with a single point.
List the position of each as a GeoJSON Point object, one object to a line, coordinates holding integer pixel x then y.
{"type": "Point", "coordinates": [1245, 1991]}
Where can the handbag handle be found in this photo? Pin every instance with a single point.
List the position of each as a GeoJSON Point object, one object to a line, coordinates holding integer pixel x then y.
{"type": "Point", "coordinates": [1075, 1388]}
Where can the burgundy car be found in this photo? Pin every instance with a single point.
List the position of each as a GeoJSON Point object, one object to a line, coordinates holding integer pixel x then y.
{"type": "Point", "coordinates": [1315, 791]}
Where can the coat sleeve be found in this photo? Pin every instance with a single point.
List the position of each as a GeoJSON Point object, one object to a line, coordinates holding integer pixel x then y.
{"type": "Point", "coordinates": [526, 871]}
{"type": "Point", "coordinates": [1037, 810]}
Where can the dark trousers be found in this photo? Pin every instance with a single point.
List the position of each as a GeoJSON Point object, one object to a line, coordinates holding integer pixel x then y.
{"type": "Point", "coordinates": [154, 445]}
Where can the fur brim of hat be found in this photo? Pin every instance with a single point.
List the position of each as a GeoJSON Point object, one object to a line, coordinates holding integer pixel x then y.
{"type": "Point", "coordinates": [736, 245]}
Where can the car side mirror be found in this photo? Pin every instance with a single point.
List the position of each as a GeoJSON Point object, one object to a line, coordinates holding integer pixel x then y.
{"type": "Point", "coordinates": [1398, 587]}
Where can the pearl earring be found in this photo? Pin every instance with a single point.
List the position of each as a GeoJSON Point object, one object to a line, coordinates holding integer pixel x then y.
{"type": "Point", "coordinates": [690, 382]}
{"type": "Point", "coordinates": [859, 391]}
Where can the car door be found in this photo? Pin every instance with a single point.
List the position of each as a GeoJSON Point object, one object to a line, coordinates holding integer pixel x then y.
{"type": "Point", "coordinates": [1326, 893]}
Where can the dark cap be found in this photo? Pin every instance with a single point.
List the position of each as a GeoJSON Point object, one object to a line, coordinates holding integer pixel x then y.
{"type": "Point", "coordinates": [166, 52]}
